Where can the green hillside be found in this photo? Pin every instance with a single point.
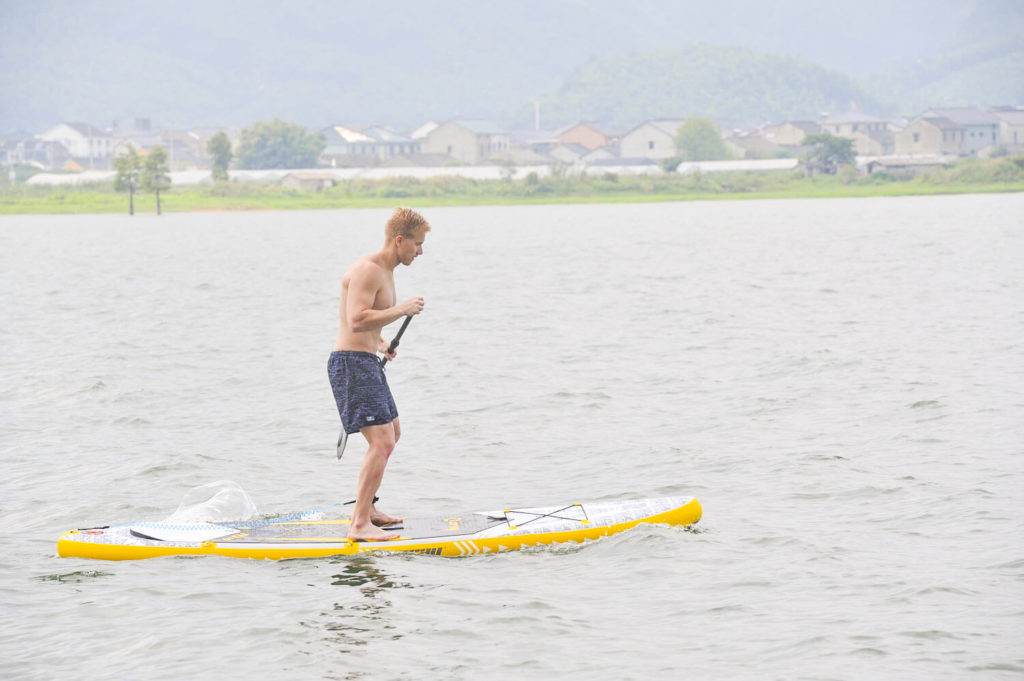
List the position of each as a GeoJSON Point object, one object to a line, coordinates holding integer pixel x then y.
{"type": "Point", "coordinates": [992, 81]}
{"type": "Point", "coordinates": [734, 86]}
{"type": "Point", "coordinates": [989, 70]}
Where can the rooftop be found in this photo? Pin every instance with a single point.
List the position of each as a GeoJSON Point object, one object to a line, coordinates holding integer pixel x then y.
{"type": "Point", "coordinates": [479, 127]}
{"type": "Point", "coordinates": [963, 115]}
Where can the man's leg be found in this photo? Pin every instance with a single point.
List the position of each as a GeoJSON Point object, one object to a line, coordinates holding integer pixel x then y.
{"type": "Point", "coordinates": [382, 442]}
{"type": "Point", "coordinates": [377, 517]}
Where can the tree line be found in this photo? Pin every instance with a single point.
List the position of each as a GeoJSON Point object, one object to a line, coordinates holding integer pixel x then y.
{"type": "Point", "coordinates": [145, 171]}
{"type": "Point", "coordinates": [698, 139]}
{"type": "Point", "coordinates": [280, 144]}
{"type": "Point", "coordinates": [273, 144]}
{"type": "Point", "coordinates": [266, 144]}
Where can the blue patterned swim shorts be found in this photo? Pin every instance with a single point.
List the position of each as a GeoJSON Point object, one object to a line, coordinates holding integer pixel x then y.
{"type": "Point", "coordinates": [360, 390]}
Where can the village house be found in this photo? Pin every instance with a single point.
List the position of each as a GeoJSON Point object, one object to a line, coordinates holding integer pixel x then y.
{"type": "Point", "coordinates": [26, 150]}
{"type": "Point", "coordinates": [1011, 127]}
{"type": "Point", "coordinates": [873, 143]}
{"type": "Point", "coordinates": [569, 153]}
{"type": "Point", "coordinates": [186, 149]}
{"type": "Point", "coordinates": [980, 128]}
{"type": "Point", "coordinates": [590, 135]}
{"type": "Point", "coordinates": [308, 180]}
{"type": "Point", "coordinates": [904, 167]}
{"type": "Point", "coordinates": [538, 141]}
{"type": "Point", "coordinates": [139, 137]}
{"type": "Point", "coordinates": [655, 139]}
{"type": "Point", "coordinates": [848, 123]}
{"type": "Point", "coordinates": [468, 141]}
{"type": "Point", "coordinates": [932, 136]}
{"type": "Point", "coordinates": [754, 144]}
{"type": "Point", "coordinates": [89, 146]}
{"type": "Point", "coordinates": [771, 141]}
{"type": "Point", "coordinates": [418, 161]}
{"type": "Point", "coordinates": [871, 136]}
{"type": "Point", "coordinates": [424, 130]}
{"type": "Point", "coordinates": [602, 155]}
{"type": "Point", "coordinates": [365, 146]}
{"type": "Point", "coordinates": [791, 133]}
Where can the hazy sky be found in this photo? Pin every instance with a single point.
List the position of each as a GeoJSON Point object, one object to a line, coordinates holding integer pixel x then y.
{"type": "Point", "coordinates": [224, 62]}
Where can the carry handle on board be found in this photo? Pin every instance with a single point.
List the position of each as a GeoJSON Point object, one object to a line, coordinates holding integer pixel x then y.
{"type": "Point", "coordinates": [343, 436]}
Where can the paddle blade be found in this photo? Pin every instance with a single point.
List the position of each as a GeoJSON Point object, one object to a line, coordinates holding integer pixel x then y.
{"type": "Point", "coordinates": [342, 441]}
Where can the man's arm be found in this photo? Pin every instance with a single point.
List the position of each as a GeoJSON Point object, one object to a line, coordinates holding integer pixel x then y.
{"type": "Point", "coordinates": [364, 285]}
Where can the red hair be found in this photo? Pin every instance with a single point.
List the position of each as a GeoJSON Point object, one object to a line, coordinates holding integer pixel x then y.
{"type": "Point", "coordinates": [405, 222]}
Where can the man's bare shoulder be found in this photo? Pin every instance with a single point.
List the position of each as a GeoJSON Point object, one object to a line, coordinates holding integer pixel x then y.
{"type": "Point", "coordinates": [367, 268]}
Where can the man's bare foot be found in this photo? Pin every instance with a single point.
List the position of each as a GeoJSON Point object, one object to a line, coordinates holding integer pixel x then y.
{"type": "Point", "coordinates": [381, 519]}
{"type": "Point", "coordinates": [370, 533]}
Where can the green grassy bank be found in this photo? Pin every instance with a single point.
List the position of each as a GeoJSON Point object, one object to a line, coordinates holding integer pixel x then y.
{"type": "Point", "coordinates": [971, 176]}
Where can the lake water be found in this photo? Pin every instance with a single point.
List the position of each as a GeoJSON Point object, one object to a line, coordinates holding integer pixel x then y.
{"type": "Point", "coordinates": [840, 382]}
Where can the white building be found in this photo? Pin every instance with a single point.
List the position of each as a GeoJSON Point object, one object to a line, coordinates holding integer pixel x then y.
{"type": "Point", "coordinates": [654, 139]}
{"type": "Point", "coordinates": [84, 142]}
{"type": "Point", "coordinates": [468, 141]}
{"type": "Point", "coordinates": [350, 146]}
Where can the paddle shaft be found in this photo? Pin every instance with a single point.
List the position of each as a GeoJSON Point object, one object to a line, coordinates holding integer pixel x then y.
{"type": "Point", "coordinates": [394, 341]}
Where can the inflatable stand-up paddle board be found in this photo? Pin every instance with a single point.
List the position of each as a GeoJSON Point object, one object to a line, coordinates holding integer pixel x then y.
{"type": "Point", "coordinates": [312, 534]}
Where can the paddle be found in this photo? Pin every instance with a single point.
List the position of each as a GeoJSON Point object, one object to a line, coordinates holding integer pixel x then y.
{"type": "Point", "coordinates": [343, 436]}
{"type": "Point", "coordinates": [394, 341]}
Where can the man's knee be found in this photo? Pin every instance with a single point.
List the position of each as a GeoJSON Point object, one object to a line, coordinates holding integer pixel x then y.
{"type": "Point", "coordinates": [383, 446]}
{"type": "Point", "coordinates": [381, 439]}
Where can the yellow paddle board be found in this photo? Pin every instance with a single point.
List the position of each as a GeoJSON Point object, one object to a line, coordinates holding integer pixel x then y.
{"type": "Point", "coordinates": [315, 534]}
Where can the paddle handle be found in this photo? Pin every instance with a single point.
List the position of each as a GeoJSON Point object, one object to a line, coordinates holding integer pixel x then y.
{"type": "Point", "coordinates": [394, 341]}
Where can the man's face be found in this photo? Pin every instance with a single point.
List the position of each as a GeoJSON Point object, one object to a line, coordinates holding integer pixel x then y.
{"type": "Point", "coordinates": [409, 248]}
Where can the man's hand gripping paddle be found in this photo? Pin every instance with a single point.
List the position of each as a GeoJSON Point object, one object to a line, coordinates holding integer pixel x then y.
{"type": "Point", "coordinates": [343, 436]}
{"type": "Point", "coordinates": [394, 342]}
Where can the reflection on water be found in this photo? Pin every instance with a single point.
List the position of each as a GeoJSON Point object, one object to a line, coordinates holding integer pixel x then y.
{"type": "Point", "coordinates": [362, 613]}
{"type": "Point", "coordinates": [360, 571]}
{"type": "Point", "coordinates": [74, 577]}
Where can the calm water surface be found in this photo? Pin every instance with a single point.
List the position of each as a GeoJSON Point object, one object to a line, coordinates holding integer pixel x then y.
{"type": "Point", "coordinates": [841, 383]}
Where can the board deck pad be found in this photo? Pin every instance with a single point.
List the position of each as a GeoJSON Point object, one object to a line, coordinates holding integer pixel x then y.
{"type": "Point", "coordinates": [337, 530]}
{"type": "Point", "coordinates": [316, 533]}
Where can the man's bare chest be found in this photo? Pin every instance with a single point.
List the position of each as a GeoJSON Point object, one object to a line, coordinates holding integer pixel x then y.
{"type": "Point", "coordinates": [385, 297]}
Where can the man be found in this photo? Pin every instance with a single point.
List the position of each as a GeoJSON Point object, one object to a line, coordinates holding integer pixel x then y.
{"type": "Point", "coordinates": [365, 404]}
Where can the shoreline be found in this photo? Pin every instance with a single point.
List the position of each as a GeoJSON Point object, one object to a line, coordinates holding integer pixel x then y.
{"type": "Point", "coordinates": [972, 177]}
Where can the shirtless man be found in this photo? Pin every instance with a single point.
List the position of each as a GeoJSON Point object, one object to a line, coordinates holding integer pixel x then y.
{"type": "Point", "coordinates": [368, 304]}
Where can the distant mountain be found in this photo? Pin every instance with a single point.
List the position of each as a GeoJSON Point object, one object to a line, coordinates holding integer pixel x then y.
{"type": "Point", "coordinates": [319, 62]}
{"type": "Point", "coordinates": [734, 86]}
{"type": "Point", "coordinates": [983, 64]}
{"type": "Point", "coordinates": [980, 64]}
{"type": "Point", "coordinates": [975, 80]}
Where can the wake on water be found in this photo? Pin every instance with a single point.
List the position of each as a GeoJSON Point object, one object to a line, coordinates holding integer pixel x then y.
{"type": "Point", "coordinates": [214, 502]}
